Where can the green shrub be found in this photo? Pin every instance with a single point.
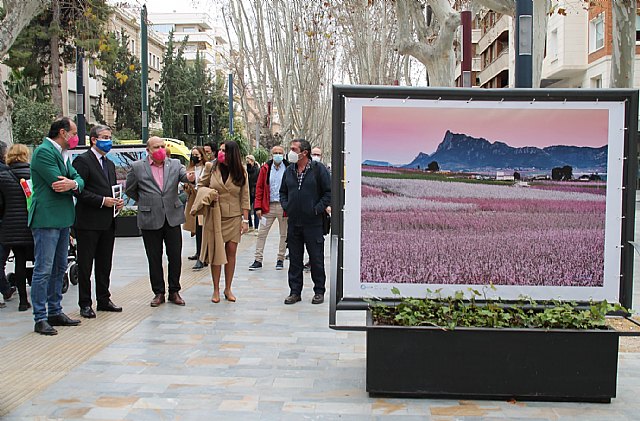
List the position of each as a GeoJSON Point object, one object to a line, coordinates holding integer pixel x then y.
{"type": "Point", "coordinates": [31, 120]}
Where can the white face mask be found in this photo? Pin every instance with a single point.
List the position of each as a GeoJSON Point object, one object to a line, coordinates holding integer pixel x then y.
{"type": "Point", "coordinates": [293, 157]}
{"type": "Point", "coordinates": [316, 158]}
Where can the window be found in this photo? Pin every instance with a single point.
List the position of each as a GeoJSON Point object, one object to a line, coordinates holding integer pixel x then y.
{"type": "Point", "coordinates": [553, 45]}
{"type": "Point", "coordinates": [637, 28]}
{"type": "Point", "coordinates": [156, 87]}
{"type": "Point", "coordinates": [165, 29]}
{"type": "Point", "coordinates": [596, 33]}
{"type": "Point", "coordinates": [189, 29]}
{"type": "Point", "coordinates": [596, 82]}
{"type": "Point", "coordinates": [92, 68]}
{"type": "Point", "coordinates": [94, 103]}
{"type": "Point", "coordinates": [132, 47]}
{"type": "Point", "coordinates": [72, 102]}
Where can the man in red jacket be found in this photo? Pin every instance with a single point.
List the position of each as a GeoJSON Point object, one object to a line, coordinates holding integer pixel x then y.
{"type": "Point", "coordinates": [268, 208]}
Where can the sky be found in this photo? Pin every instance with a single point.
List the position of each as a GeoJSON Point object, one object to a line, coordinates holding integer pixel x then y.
{"type": "Point", "coordinates": [177, 6]}
{"type": "Point", "coordinates": [398, 134]}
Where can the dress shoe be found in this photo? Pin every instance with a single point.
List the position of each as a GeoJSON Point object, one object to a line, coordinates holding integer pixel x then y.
{"type": "Point", "coordinates": [215, 298]}
{"type": "Point", "coordinates": [199, 265]}
{"type": "Point", "coordinates": [9, 293]}
{"type": "Point", "coordinates": [175, 298]}
{"type": "Point", "coordinates": [292, 299]}
{"type": "Point", "coordinates": [317, 299]}
{"type": "Point", "coordinates": [157, 300]}
{"type": "Point", "coordinates": [230, 297]}
{"type": "Point", "coordinates": [24, 306]}
{"type": "Point", "coordinates": [109, 306]}
{"type": "Point", "coordinates": [62, 320]}
{"type": "Point", "coordinates": [44, 328]}
{"type": "Point", "coordinates": [194, 257]}
{"type": "Point", "coordinates": [87, 313]}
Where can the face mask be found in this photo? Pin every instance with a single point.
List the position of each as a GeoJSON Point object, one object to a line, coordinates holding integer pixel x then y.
{"type": "Point", "coordinates": [195, 159]}
{"type": "Point", "coordinates": [159, 155]}
{"type": "Point", "coordinates": [316, 158]}
{"type": "Point", "coordinates": [208, 156]}
{"type": "Point", "coordinates": [221, 157]}
{"type": "Point", "coordinates": [293, 157]}
{"type": "Point", "coordinates": [277, 158]}
{"type": "Point", "coordinates": [73, 141]}
{"type": "Point", "coordinates": [104, 145]}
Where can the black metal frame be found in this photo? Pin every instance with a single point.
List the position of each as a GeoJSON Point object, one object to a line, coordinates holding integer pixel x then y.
{"type": "Point", "coordinates": [630, 166]}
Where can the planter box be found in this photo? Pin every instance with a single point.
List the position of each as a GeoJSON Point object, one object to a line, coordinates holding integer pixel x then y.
{"type": "Point", "coordinates": [523, 364]}
{"type": "Point", "coordinates": [127, 226]}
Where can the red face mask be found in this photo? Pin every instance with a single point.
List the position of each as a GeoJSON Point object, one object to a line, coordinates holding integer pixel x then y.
{"type": "Point", "coordinates": [159, 155]}
{"type": "Point", "coordinates": [73, 141]}
{"type": "Point", "coordinates": [221, 157]}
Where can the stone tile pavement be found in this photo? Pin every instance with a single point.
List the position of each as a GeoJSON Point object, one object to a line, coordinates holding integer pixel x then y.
{"type": "Point", "coordinates": [253, 359]}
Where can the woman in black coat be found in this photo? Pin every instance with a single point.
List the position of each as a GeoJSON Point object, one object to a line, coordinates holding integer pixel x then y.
{"type": "Point", "coordinates": [14, 231]}
{"type": "Point", "coordinates": [253, 170]}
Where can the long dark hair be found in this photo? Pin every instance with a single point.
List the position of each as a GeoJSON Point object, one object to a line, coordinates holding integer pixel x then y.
{"type": "Point", "coordinates": [234, 163]}
{"type": "Point", "coordinates": [203, 159]}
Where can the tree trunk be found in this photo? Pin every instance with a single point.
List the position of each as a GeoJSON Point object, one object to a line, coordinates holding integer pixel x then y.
{"type": "Point", "coordinates": [18, 14]}
{"type": "Point", "coordinates": [540, 23]}
{"type": "Point", "coordinates": [624, 43]}
{"type": "Point", "coordinates": [55, 70]}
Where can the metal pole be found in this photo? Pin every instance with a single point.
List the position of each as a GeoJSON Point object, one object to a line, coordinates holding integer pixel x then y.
{"type": "Point", "coordinates": [524, 44]}
{"type": "Point", "coordinates": [144, 90]}
{"type": "Point", "coordinates": [80, 118]}
{"type": "Point", "coordinates": [230, 103]}
{"type": "Point", "coordinates": [465, 76]}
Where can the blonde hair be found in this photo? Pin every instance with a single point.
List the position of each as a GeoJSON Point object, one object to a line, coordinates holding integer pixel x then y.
{"type": "Point", "coordinates": [18, 153]}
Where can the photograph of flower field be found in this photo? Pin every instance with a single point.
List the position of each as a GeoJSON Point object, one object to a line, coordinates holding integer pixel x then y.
{"type": "Point", "coordinates": [425, 230]}
{"type": "Point", "coordinates": [468, 201]}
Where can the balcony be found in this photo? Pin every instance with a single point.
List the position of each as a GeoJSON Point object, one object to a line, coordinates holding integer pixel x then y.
{"type": "Point", "coordinates": [495, 67]}
{"type": "Point", "coordinates": [502, 25]}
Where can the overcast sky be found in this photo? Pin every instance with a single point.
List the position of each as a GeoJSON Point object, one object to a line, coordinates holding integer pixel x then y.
{"type": "Point", "coordinates": [177, 6]}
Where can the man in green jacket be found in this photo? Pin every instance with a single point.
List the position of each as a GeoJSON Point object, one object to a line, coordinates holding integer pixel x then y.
{"type": "Point", "coordinates": [51, 215]}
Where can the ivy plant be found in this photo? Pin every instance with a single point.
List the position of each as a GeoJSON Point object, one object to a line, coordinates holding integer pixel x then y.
{"type": "Point", "coordinates": [456, 311]}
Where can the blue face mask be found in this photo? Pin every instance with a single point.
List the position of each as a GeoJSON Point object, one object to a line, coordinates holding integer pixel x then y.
{"type": "Point", "coordinates": [104, 145]}
{"type": "Point", "coordinates": [277, 158]}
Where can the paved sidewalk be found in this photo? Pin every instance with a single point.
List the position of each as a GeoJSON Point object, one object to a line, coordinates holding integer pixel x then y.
{"type": "Point", "coordinates": [253, 359]}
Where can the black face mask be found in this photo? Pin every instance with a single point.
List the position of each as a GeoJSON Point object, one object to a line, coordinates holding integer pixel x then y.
{"type": "Point", "coordinates": [195, 160]}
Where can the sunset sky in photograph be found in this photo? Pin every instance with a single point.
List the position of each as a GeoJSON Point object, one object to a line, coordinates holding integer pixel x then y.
{"type": "Point", "coordinates": [398, 134]}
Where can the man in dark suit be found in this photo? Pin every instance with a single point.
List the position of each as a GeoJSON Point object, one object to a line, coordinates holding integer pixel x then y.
{"type": "Point", "coordinates": [95, 227]}
{"type": "Point", "coordinates": [153, 183]}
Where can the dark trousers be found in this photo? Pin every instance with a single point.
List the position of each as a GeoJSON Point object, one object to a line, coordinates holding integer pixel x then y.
{"type": "Point", "coordinates": [254, 221]}
{"type": "Point", "coordinates": [94, 245]}
{"type": "Point", "coordinates": [297, 238]}
{"type": "Point", "coordinates": [22, 254]}
{"type": "Point", "coordinates": [172, 238]}
{"type": "Point", "coordinates": [198, 238]}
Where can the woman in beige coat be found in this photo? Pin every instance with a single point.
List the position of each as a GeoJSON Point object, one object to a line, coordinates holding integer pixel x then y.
{"type": "Point", "coordinates": [193, 224]}
{"type": "Point", "coordinates": [228, 177]}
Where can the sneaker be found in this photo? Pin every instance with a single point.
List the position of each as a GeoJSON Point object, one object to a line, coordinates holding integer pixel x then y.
{"type": "Point", "coordinates": [199, 265]}
{"type": "Point", "coordinates": [279, 265]}
{"type": "Point", "coordinates": [317, 299]}
{"type": "Point", "coordinates": [292, 299]}
{"type": "Point", "coordinates": [255, 265]}
{"type": "Point", "coordinates": [9, 293]}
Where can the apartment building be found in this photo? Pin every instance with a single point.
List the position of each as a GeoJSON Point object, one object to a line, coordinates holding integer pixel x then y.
{"type": "Point", "coordinates": [120, 21]}
{"type": "Point", "coordinates": [493, 49]}
{"type": "Point", "coordinates": [202, 37]}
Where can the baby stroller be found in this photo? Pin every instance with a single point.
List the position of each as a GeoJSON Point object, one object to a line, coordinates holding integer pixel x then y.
{"type": "Point", "coordinates": [70, 276]}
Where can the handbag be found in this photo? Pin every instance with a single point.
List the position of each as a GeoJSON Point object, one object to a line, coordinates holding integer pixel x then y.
{"type": "Point", "coordinates": [326, 223]}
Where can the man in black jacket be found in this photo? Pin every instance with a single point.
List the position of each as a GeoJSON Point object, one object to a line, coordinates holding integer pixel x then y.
{"type": "Point", "coordinates": [95, 223]}
{"type": "Point", "coordinates": [305, 194]}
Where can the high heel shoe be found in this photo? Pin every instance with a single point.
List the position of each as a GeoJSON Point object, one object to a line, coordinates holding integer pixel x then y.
{"type": "Point", "coordinates": [215, 298]}
{"type": "Point", "coordinates": [230, 297]}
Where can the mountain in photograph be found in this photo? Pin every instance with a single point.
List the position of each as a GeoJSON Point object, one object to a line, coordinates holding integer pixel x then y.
{"type": "Point", "coordinates": [460, 152]}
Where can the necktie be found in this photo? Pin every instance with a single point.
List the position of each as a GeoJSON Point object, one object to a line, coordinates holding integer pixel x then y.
{"type": "Point", "coordinates": [105, 169]}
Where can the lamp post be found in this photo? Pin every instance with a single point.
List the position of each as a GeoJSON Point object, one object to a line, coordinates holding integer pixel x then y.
{"type": "Point", "coordinates": [198, 130]}
{"type": "Point", "coordinates": [524, 44]}
{"type": "Point", "coordinates": [144, 90]}
{"type": "Point", "coordinates": [80, 118]}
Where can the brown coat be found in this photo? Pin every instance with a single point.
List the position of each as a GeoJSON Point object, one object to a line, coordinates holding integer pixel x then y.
{"type": "Point", "coordinates": [233, 199]}
{"type": "Point", "coordinates": [205, 204]}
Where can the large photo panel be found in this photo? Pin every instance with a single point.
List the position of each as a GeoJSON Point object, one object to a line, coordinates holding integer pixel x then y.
{"type": "Point", "coordinates": [450, 195]}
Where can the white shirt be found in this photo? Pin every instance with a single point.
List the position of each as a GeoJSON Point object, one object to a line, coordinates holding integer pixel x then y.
{"type": "Point", "coordinates": [275, 179]}
{"type": "Point", "coordinates": [99, 156]}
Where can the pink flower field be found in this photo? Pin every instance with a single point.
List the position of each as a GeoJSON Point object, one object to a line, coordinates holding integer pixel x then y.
{"type": "Point", "coordinates": [433, 232]}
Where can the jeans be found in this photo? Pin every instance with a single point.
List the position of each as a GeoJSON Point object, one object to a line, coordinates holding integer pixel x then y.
{"type": "Point", "coordinates": [51, 256]}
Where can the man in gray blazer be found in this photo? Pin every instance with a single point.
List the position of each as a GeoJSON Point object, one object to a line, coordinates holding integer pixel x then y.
{"type": "Point", "coordinates": [153, 184]}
